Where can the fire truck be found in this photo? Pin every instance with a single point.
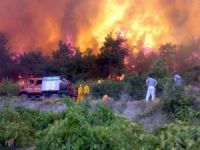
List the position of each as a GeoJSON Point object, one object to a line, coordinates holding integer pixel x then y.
{"type": "Point", "coordinates": [51, 87]}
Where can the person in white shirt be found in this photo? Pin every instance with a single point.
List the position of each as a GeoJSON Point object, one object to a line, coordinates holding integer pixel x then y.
{"type": "Point", "coordinates": [151, 84]}
{"type": "Point", "coordinates": [177, 80]}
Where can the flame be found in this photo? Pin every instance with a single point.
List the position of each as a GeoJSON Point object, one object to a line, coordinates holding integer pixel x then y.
{"type": "Point", "coordinates": [52, 30]}
{"type": "Point", "coordinates": [146, 24]}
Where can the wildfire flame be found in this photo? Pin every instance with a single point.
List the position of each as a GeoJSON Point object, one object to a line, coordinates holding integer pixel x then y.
{"type": "Point", "coordinates": [145, 23]}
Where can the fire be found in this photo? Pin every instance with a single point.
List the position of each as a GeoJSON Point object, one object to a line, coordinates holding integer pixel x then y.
{"type": "Point", "coordinates": [145, 24]}
{"type": "Point", "coordinates": [52, 30]}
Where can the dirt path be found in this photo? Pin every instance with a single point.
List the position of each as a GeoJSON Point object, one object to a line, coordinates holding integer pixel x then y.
{"type": "Point", "coordinates": [44, 105]}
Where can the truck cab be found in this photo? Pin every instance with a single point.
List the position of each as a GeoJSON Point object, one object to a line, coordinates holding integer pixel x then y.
{"type": "Point", "coordinates": [30, 87]}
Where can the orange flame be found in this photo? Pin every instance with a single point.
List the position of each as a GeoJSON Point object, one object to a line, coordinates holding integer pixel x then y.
{"type": "Point", "coordinates": [145, 23]}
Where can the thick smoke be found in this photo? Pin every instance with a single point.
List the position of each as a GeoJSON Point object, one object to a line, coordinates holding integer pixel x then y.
{"type": "Point", "coordinates": [37, 24]}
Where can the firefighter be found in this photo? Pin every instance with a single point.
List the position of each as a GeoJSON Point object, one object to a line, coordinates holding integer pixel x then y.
{"type": "Point", "coordinates": [80, 94]}
{"type": "Point", "coordinates": [86, 90]}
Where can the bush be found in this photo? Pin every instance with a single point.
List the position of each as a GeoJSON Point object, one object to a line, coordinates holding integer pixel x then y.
{"type": "Point", "coordinates": [133, 85]}
{"type": "Point", "coordinates": [137, 85]}
{"type": "Point", "coordinates": [14, 132]}
{"type": "Point", "coordinates": [8, 88]}
{"type": "Point", "coordinates": [102, 116]}
{"type": "Point", "coordinates": [179, 106]}
{"type": "Point", "coordinates": [109, 87]}
{"type": "Point", "coordinates": [179, 136]}
{"type": "Point", "coordinates": [192, 75]}
{"type": "Point", "coordinates": [39, 120]}
{"type": "Point", "coordinates": [18, 126]}
{"type": "Point", "coordinates": [186, 114]}
{"type": "Point", "coordinates": [160, 73]}
{"type": "Point", "coordinates": [101, 130]}
{"type": "Point", "coordinates": [175, 100]}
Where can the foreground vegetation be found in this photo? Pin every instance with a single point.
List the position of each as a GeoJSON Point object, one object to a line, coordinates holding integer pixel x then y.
{"type": "Point", "coordinates": [79, 128]}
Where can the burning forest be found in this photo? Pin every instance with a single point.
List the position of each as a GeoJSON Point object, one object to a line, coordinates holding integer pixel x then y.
{"type": "Point", "coordinates": [100, 74]}
{"type": "Point", "coordinates": [126, 33]}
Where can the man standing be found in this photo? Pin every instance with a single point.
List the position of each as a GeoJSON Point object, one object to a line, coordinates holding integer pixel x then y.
{"type": "Point", "coordinates": [151, 84]}
{"type": "Point", "coordinates": [177, 80]}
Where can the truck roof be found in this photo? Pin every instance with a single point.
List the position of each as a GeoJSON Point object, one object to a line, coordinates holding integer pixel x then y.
{"type": "Point", "coordinates": [51, 78]}
{"type": "Point", "coordinates": [32, 78]}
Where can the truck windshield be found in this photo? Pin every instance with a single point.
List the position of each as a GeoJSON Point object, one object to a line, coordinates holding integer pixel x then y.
{"type": "Point", "coordinates": [38, 82]}
{"type": "Point", "coordinates": [31, 82]}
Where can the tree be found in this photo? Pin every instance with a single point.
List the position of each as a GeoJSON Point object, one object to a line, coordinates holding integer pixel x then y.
{"type": "Point", "coordinates": [167, 53]}
{"type": "Point", "coordinates": [167, 50]}
{"type": "Point", "coordinates": [67, 61]}
{"type": "Point", "coordinates": [160, 72]}
{"type": "Point", "coordinates": [142, 63]}
{"type": "Point", "coordinates": [111, 59]}
{"type": "Point", "coordinates": [159, 69]}
{"type": "Point", "coordinates": [8, 65]}
{"type": "Point", "coordinates": [33, 63]}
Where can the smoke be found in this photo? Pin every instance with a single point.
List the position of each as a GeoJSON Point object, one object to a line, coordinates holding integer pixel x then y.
{"type": "Point", "coordinates": [40, 24]}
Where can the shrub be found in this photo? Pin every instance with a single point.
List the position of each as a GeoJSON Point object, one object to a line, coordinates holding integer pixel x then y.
{"type": "Point", "coordinates": [101, 130]}
{"type": "Point", "coordinates": [192, 75]}
{"type": "Point", "coordinates": [8, 88]}
{"type": "Point", "coordinates": [14, 132]}
{"type": "Point", "coordinates": [137, 85]}
{"type": "Point", "coordinates": [186, 114]}
{"type": "Point", "coordinates": [39, 120]}
{"type": "Point", "coordinates": [109, 87]}
{"type": "Point", "coordinates": [159, 69]}
{"type": "Point", "coordinates": [179, 136]}
{"type": "Point", "coordinates": [179, 106]}
{"type": "Point", "coordinates": [102, 116]}
{"type": "Point", "coordinates": [175, 100]}
{"type": "Point", "coordinates": [160, 72]}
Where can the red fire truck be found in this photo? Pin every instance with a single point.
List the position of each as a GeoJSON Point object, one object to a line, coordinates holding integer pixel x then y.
{"type": "Point", "coordinates": [53, 87]}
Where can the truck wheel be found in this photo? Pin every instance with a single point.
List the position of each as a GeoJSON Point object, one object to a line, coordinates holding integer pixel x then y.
{"type": "Point", "coordinates": [41, 98]}
{"type": "Point", "coordinates": [54, 97]}
{"type": "Point", "coordinates": [24, 97]}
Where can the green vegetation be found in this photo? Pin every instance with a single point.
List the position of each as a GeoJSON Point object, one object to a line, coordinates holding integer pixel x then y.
{"type": "Point", "coordinates": [133, 85]}
{"type": "Point", "coordinates": [14, 131]}
{"type": "Point", "coordinates": [109, 87]}
{"type": "Point", "coordinates": [179, 135]}
{"type": "Point", "coordinates": [180, 106]}
{"type": "Point", "coordinates": [8, 88]}
{"type": "Point", "coordinates": [79, 128]}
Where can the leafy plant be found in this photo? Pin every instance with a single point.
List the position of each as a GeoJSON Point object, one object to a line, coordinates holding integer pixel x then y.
{"type": "Point", "coordinates": [109, 87]}
{"type": "Point", "coordinates": [137, 86]}
{"type": "Point", "coordinates": [8, 88]}
{"type": "Point", "coordinates": [179, 106]}
{"type": "Point", "coordinates": [179, 135]}
{"type": "Point", "coordinates": [14, 132]}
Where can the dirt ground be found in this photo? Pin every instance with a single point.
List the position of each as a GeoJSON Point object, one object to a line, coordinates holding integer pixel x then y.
{"type": "Point", "coordinates": [44, 105]}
